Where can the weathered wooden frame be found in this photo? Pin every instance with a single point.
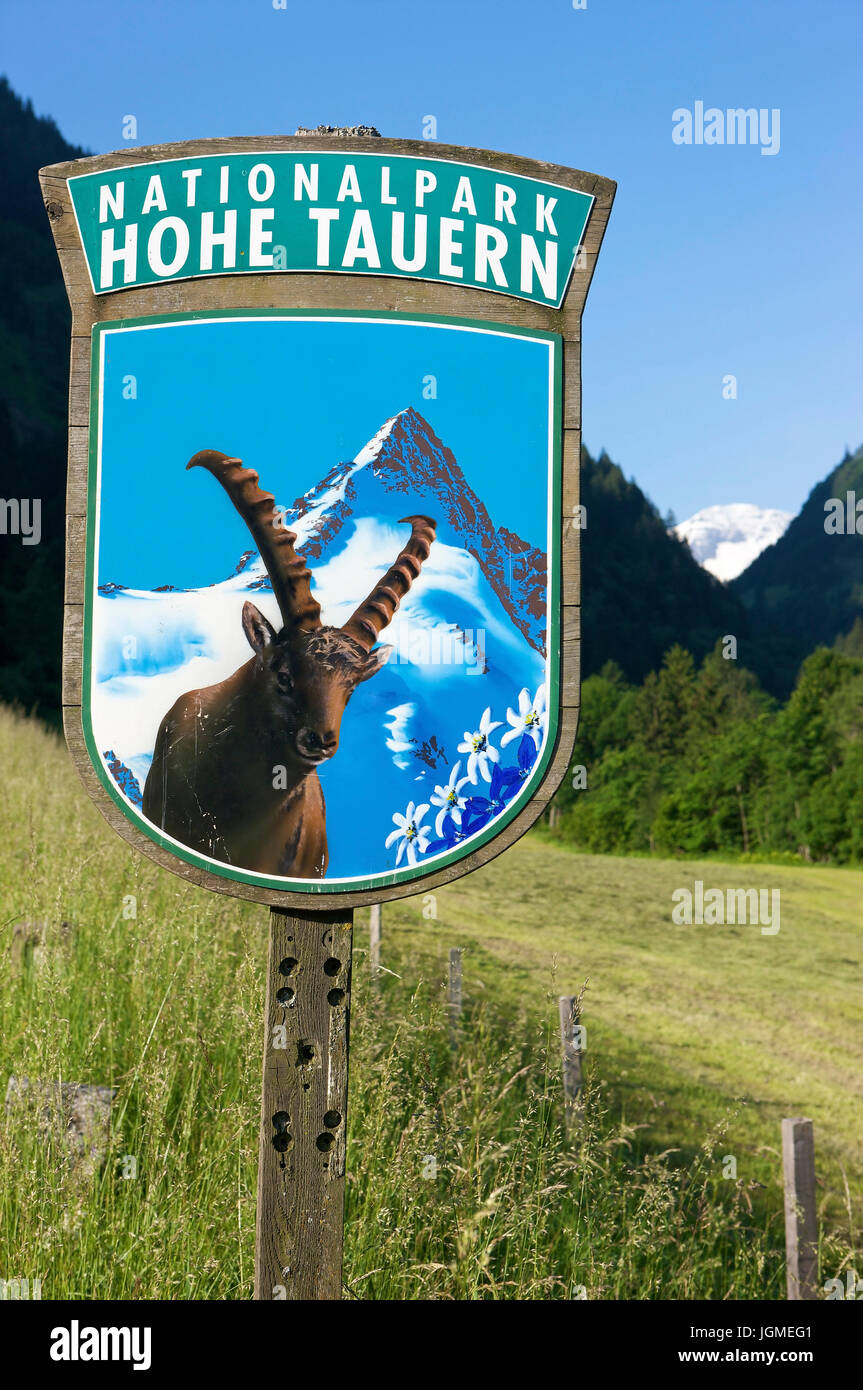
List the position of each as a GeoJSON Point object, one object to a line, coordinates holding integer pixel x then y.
{"type": "Point", "coordinates": [320, 290]}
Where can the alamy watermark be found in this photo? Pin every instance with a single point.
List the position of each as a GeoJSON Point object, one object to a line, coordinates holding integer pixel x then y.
{"type": "Point", "coordinates": [21, 516]}
{"type": "Point", "coordinates": [735, 126]}
{"type": "Point", "coordinates": [844, 515]}
{"type": "Point", "coordinates": [852, 1287]}
{"type": "Point", "coordinates": [417, 645]}
{"type": "Point", "coordinates": [717, 907]}
{"type": "Point", "coordinates": [77, 1343]}
{"type": "Point", "coordinates": [17, 1289]}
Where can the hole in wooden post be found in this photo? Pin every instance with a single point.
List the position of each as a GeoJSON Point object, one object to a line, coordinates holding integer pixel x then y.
{"type": "Point", "coordinates": [282, 1142]}
{"type": "Point", "coordinates": [285, 995]}
{"type": "Point", "coordinates": [336, 996]}
{"type": "Point", "coordinates": [288, 965]}
{"type": "Point", "coordinates": [325, 1142]}
{"type": "Point", "coordinates": [332, 1119]}
{"type": "Point", "coordinates": [332, 966]}
{"type": "Point", "coordinates": [281, 1120]}
{"type": "Point", "coordinates": [305, 1053]}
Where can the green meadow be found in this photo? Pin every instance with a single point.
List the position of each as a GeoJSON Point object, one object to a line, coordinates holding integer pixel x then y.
{"type": "Point", "coordinates": [461, 1180]}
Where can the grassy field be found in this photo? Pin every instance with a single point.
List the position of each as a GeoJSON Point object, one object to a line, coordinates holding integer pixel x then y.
{"type": "Point", "coordinates": [461, 1182]}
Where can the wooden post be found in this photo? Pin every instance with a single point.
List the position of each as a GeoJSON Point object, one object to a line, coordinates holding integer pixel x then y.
{"type": "Point", "coordinates": [801, 1221]}
{"type": "Point", "coordinates": [301, 1171]}
{"type": "Point", "coordinates": [454, 994]}
{"type": "Point", "coordinates": [570, 1038]}
{"type": "Point", "coordinates": [375, 941]}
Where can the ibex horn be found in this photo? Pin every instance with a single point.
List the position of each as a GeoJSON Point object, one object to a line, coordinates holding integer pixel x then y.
{"type": "Point", "coordinates": [290, 577]}
{"type": "Point", "coordinates": [372, 616]}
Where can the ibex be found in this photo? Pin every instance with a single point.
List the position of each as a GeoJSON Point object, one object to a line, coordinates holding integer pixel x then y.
{"type": "Point", "coordinates": [234, 772]}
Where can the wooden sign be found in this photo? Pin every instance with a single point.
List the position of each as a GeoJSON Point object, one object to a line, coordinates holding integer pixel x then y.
{"type": "Point", "coordinates": [322, 594]}
{"type": "Point", "coordinates": [387, 335]}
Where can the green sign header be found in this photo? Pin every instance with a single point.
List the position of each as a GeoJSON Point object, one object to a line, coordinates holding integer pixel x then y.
{"type": "Point", "coordinates": [367, 214]}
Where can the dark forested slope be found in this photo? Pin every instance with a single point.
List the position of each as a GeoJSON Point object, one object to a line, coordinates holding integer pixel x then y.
{"type": "Point", "coordinates": [34, 353]}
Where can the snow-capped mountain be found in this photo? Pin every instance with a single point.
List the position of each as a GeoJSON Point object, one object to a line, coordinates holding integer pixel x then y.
{"type": "Point", "coordinates": [725, 540]}
{"type": "Point", "coordinates": [470, 634]}
{"type": "Point", "coordinates": [406, 459]}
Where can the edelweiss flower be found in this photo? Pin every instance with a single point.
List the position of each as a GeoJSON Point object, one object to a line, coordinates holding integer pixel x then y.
{"type": "Point", "coordinates": [479, 750]}
{"type": "Point", "coordinates": [410, 834]}
{"type": "Point", "coordinates": [530, 718]}
{"type": "Point", "coordinates": [450, 799]}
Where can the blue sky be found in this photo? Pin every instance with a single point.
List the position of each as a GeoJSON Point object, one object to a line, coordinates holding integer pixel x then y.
{"type": "Point", "coordinates": [292, 399]}
{"type": "Point", "coordinates": [718, 260]}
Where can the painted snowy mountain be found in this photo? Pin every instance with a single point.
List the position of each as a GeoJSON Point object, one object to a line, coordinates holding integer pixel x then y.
{"type": "Point", "coordinates": [725, 540]}
{"type": "Point", "coordinates": [470, 634]}
{"type": "Point", "coordinates": [405, 459]}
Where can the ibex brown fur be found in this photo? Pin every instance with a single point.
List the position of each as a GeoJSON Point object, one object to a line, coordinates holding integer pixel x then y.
{"type": "Point", "coordinates": [215, 783]}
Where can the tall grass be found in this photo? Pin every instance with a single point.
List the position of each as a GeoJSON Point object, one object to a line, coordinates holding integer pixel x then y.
{"type": "Point", "coordinates": [463, 1184]}
{"type": "Point", "coordinates": [461, 1181]}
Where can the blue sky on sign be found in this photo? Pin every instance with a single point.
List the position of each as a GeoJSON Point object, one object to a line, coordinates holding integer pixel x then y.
{"type": "Point", "coordinates": [719, 260]}
{"type": "Point", "coordinates": [293, 399]}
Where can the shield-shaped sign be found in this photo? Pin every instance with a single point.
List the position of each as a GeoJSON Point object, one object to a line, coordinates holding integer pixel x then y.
{"type": "Point", "coordinates": [322, 590]}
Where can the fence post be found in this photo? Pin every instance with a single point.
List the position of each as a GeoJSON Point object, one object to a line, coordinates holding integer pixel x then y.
{"type": "Point", "coordinates": [801, 1221]}
{"type": "Point", "coordinates": [375, 941]}
{"type": "Point", "coordinates": [454, 994]}
{"type": "Point", "coordinates": [570, 1038]}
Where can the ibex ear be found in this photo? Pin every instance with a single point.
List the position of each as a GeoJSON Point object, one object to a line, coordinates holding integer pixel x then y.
{"type": "Point", "coordinates": [375, 660]}
{"type": "Point", "coordinates": [259, 632]}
